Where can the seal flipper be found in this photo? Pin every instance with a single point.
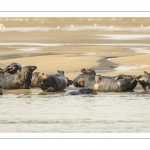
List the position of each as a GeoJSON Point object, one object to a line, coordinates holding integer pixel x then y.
{"type": "Point", "coordinates": [69, 82]}
{"type": "Point", "coordinates": [87, 91]}
{"type": "Point", "coordinates": [145, 85]}
{"type": "Point", "coordinates": [138, 77]}
{"type": "Point", "coordinates": [57, 82]}
{"type": "Point", "coordinates": [50, 89]}
{"type": "Point", "coordinates": [133, 84]}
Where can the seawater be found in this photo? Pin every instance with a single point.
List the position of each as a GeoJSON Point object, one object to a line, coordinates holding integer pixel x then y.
{"type": "Point", "coordinates": [56, 113]}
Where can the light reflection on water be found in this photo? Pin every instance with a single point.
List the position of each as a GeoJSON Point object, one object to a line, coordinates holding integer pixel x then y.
{"type": "Point", "coordinates": [105, 112]}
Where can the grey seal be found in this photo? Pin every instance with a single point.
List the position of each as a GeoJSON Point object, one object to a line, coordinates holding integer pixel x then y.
{"type": "Point", "coordinates": [37, 76]}
{"type": "Point", "coordinates": [81, 92]}
{"type": "Point", "coordinates": [130, 78]}
{"type": "Point", "coordinates": [101, 84]}
{"type": "Point", "coordinates": [79, 80]}
{"type": "Point", "coordinates": [51, 83]}
{"type": "Point", "coordinates": [19, 80]}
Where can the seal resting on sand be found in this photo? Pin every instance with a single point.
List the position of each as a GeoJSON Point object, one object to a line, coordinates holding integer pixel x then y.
{"type": "Point", "coordinates": [81, 92]}
{"type": "Point", "coordinates": [1, 92]}
{"type": "Point", "coordinates": [37, 76]}
{"type": "Point", "coordinates": [50, 83]}
{"type": "Point", "coordinates": [129, 78]}
{"type": "Point", "coordinates": [79, 81]}
{"type": "Point", "coordinates": [11, 69]}
{"type": "Point", "coordinates": [101, 84]}
{"type": "Point", "coordinates": [19, 80]}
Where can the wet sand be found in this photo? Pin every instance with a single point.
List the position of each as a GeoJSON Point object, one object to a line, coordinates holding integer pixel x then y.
{"type": "Point", "coordinates": [71, 44]}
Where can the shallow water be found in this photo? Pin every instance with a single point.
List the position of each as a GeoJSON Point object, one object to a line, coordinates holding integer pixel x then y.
{"type": "Point", "coordinates": [111, 112]}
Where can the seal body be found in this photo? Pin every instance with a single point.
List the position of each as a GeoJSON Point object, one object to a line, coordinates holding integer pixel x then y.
{"type": "Point", "coordinates": [36, 77]}
{"type": "Point", "coordinates": [1, 92]}
{"type": "Point", "coordinates": [19, 80]}
{"type": "Point", "coordinates": [101, 84]}
{"type": "Point", "coordinates": [81, 92]}
{"type": "Point", "coordinates": [79, 80]}
{"type": "Point", "coordinates": [130, 78]}
{"type": "Point", "coordinates": [50, 83]}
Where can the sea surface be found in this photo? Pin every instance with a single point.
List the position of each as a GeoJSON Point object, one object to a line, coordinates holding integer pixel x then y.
{"type": "Point", "coordinates": [56, 113]}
